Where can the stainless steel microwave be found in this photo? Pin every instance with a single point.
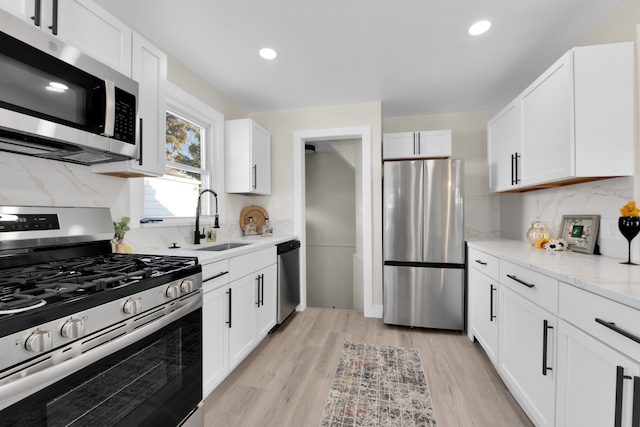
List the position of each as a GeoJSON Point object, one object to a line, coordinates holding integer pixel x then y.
{"type": "Point", "coordinates": [58, 103]}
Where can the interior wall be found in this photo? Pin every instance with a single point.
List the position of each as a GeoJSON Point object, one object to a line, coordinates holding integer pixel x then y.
{"type": "Point", "coordinates": [330, 230]}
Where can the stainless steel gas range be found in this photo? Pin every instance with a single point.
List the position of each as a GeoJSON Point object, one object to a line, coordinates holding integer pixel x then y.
{"type": "Point", "coordinates": [88, 337]}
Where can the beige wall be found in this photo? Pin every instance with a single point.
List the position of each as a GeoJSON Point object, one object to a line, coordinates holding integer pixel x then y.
{"type": "Point", "coordinates": [619, 26]}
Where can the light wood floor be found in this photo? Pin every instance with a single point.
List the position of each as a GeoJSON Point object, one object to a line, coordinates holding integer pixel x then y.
{"type": "Point", "coordinates": [284, 382]}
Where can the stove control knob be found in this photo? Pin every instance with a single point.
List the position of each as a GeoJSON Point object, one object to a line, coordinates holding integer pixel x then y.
{"type": "Point", "coordinates": [186, 286]}
{"type": "Point", "coordinates": [73, 328]}
{"type": "Point", "coordinates": [173, 291]}
{"type": "Point", "coordinates": [132, 306]}
{"type": "Point", "coordinates": [39, 341]}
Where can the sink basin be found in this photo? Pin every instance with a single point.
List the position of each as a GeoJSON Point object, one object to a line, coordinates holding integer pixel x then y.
{"type": "Point", "coordinates": [223, 246]}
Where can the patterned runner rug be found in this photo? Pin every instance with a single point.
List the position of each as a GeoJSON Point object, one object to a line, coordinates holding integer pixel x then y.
{"type": "Point", "coordinates": [378, 386]}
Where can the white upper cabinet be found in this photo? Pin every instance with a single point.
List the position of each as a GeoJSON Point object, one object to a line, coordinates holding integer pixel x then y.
{"type": "Point", "coordinates": [149, 69]}
{"type": "Point", "coordinates": [416, 145]}
{"type": "Point", "coordinates": [247, 154]}
{"type": "Point", "coordinates": [82, 24]}
{"type": "Point", "coordinates": [503, 132]}
{"type": "Point", "coordinates": [574, 123]}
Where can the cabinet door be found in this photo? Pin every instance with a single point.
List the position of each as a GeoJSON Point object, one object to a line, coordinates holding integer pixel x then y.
{"type": "Point", "coordinates": [595, 383]}
{"type": "Point", "coordinates": [434, 144]}
{"type": "Point", "coordinates": [149, 69]}
{"type": "Point", "coordinates": [266, 311]}
{"type": "Point", "coordinates": [547, 111]}
{"type": "Point", "coordinates": [483, 307]}
{"type": "Point", "coordinates": [23, 9]}
{"type": "Point", "coordinates": [87, 26]}
{"type": "Point", "coordinates": [215, 338]}
{"type": "Point", "coordinates": [503, 149]}
{"type": "Point", "coordinates": [242, 331]}
{"type": "Point", "coordinates": [260, 159]}
{"type": "Point", "coordinates": [401, 145]}
{"type": "Point", "coordinates": [247, 157]}
{"type": "Point", "coordinates": [526, 359]}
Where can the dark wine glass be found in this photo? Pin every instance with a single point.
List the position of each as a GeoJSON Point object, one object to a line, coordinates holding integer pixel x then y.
{"type": "Point", "coordinates": [629, 226]}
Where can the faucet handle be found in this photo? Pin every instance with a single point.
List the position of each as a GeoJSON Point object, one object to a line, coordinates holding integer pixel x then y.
{"type": "Point", "coordinates": [202, 234]}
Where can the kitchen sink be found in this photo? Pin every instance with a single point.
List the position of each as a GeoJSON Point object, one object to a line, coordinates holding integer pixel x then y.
{"type": "Point", "coordinates": [223, 246]}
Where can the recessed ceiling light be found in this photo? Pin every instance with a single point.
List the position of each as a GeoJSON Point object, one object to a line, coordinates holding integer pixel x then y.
{"type": "Point", "coordinates": [268, 53]}
{"type": "Point", "coordinates": [479, 27]}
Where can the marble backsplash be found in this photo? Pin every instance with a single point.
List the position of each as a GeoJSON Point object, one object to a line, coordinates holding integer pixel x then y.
{"type": "Point", "coordinates": [604, 197]}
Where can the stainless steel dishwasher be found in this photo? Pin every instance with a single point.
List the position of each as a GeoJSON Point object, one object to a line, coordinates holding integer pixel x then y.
{"type": "Point", "coordinates": [288, 278]}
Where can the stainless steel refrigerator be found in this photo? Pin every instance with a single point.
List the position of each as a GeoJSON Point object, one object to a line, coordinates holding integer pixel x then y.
{"type": "Point", "coordinates": [423, 243]}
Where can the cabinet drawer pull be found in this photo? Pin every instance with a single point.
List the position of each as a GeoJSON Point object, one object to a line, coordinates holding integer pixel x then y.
{"type": "Point", "coordinates": [528, 285]}
{"type": "Point", "coordinates": [513, 158]}
{"type": "Point", "coordinates": [255, 177]}
{"type": "Point", "coordinates": [491, 315]}
{"type": "Point", "coordinates": [621, 331]}
{"type": "Point", "coordinates": [481, 262]}
{"type": "Point", "coordinates": [216, 276]}
{"type": "Point", "coordinates": [635, 418]}
{"type": "Point", "coordinates": [545, 339]}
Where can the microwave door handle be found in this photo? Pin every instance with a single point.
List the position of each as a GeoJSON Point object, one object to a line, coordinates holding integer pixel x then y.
{"type": "Point", "coordinates": [110, 108]}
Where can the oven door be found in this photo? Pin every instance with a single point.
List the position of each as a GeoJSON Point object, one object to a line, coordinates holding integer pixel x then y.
{"type": "Point", "coordinates": [154, 381]}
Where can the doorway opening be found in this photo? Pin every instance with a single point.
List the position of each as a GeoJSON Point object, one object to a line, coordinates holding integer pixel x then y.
{"type": "Point", "coordinates": [331, 196]}
{"type": "Point", "coordinates": [363, 270]}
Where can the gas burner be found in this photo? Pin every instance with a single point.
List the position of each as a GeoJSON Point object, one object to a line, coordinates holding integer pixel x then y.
{"type": "Point", "coordinates": [19, 303]}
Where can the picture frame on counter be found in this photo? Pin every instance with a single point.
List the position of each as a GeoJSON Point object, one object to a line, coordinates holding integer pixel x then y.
{"type": "Point", "coordinates": [580, 232]}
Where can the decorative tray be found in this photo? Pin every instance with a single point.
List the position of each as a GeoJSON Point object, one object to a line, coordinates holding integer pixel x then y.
{"type": "Point", "coordinates": [257, 213]}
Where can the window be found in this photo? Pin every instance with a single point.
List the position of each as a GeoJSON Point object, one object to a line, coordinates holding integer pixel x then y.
{"type": "Point", "coordinates": [193, 147]}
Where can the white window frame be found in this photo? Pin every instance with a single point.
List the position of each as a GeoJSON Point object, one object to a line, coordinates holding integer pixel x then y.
{"type": "Point", "coordinates": [191, 108]}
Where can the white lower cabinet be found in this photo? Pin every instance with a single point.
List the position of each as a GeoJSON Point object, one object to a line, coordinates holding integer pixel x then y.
{"type": "Point", "coordinates": [239, 310]}
{"type": "Point", "coordinates": [526, 359]}
{"type": "Point", "coordinates": [595, 382]}
{"type": "Point", "coordinates": [483, 313]}
{"type": "Point", "coordinates": [215, 332]}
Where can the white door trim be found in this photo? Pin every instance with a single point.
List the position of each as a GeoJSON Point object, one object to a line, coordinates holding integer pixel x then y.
{"type": "Point", "coordinates": [299, 214]}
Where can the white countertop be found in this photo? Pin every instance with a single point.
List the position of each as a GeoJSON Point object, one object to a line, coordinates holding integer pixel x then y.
{"type": "Point", "coordinates": [595, 273]}
{"type": "Point", "coordinates": [206, 257]}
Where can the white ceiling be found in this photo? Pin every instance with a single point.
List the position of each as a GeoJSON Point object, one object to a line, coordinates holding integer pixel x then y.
{"type": "Point", "coordinates": [412, 55]}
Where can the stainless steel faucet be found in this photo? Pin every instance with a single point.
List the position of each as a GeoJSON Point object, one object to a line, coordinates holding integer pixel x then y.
{"type": "Point", "coordinates": [196, 235]}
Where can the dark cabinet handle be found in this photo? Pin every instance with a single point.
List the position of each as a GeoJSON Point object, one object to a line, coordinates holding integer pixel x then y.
{"type": "Point", "coordinates": [545, 339]}
{"type": "Point", "coordinates": [619, 390]}
{"type": "Point", "coordinates": [522, 282]}
{"type": "Point", "coordinates": [216, 276]}
{"type": "Point", "coordinates": [54, 19]}
{"type": "Point", "coordinates": [262, 289]}
{"type": "Point", "coordinates": [491, 315]}
{"type": "Point", "coordinates": [140, 144]}
{"type": "Point", "coordinates": [481, 262]}
{"type": "Point", "coordinates": [513, 159]}
{"type": "Point", "coordinates": [419, 150]}
{"type": "Point", "coordinates": [229, 322]}
{"type": "Point", "coordinates": [37, 13]}
{"type": "Point", "coordinates": [415, 138]}
{"type": "Point", "coordinates": [619, 330]}
{"type": "Point", "coordinates": [516, 157]}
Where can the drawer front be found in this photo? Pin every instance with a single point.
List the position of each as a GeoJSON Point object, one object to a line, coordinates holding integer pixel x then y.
{"type": "Point", "coordinates": [215, 274]}
{"type": "Point", "coordinates": [538, 288]}
{"type": "Point", "coordinates": [242, 265]}
{"type": "Point", "coordinates": [618, 325]}
{"type": "Point", "coordinates": [484, 262]}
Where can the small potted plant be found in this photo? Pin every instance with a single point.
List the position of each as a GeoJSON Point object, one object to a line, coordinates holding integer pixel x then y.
{"type": "Point", "coordinates": [119, 230]}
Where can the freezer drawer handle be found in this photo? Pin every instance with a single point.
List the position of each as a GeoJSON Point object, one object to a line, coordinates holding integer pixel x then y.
{"type": "Point", "coordinates": [545, 339]}
{"type": "Point", "coordinates": [481, 262]}
{"type": "Point", "coordinates": [522, 282]}
{"type": "Point", "coordinates": [619, 330]}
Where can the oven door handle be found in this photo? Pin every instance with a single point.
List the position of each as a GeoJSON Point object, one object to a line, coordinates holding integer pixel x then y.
{"type": "Point", "coordinates": [21, 388]}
